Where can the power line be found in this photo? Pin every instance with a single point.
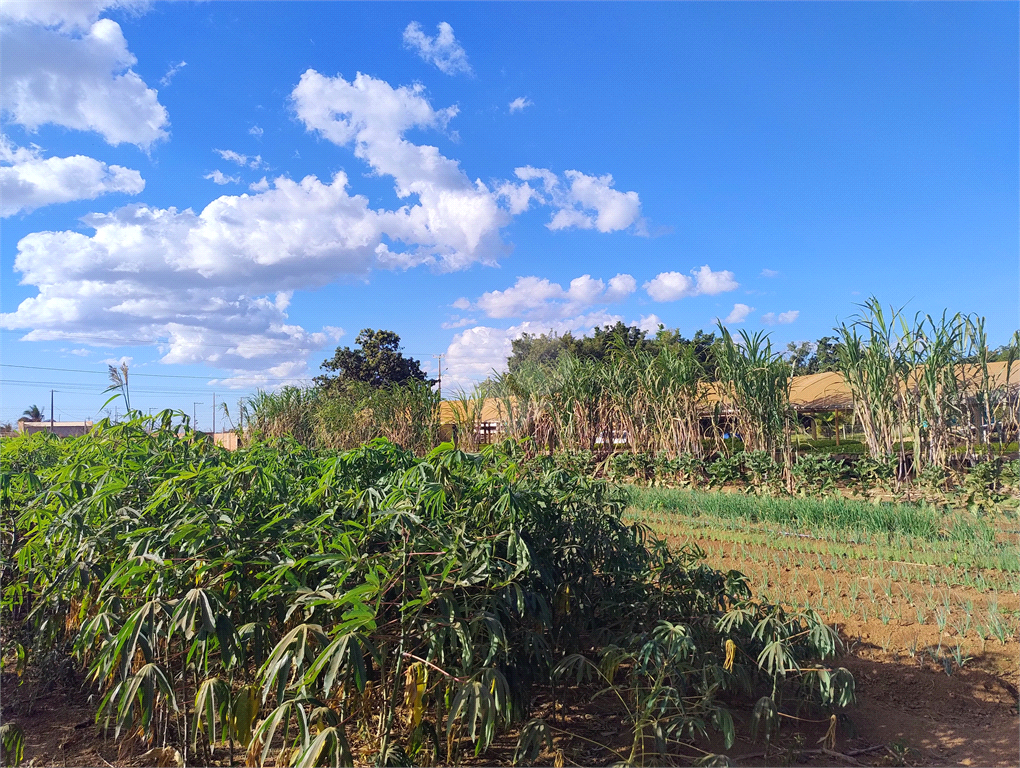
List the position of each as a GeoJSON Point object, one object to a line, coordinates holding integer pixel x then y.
{"type": "Point", "coordinates": [86, 389]}
{"type": "Point", "coordinates": [154, 375]}
{"type": "Point", "coordinates": [129, 342]}
{"type": "Point", "coordinates": [220, 379]}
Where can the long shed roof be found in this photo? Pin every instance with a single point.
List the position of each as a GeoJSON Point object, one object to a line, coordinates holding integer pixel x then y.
{"type": "Point", "coordinates": [817, 392]}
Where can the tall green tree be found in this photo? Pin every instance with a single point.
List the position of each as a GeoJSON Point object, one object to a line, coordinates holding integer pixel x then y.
{"type": "Point", "coordinates": [799, 356]}
{"type": "Point", "coordinates": [546, 349]}
{"type": "Point", "coordinates": [703, 346]}
{"type": "Point", "coordinates": [826, 356]}
{"type": "Point", "coordinates": [813, 357]}
{"type": "Point", "coordinates": [379, 363]}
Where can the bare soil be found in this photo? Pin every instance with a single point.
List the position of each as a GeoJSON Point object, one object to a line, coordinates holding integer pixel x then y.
{"type": "Point", "coordinates": [906, 716]}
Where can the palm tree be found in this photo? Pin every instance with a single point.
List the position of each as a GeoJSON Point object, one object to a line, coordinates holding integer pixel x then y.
{"type": "Point", "coordinates": [34, 414]}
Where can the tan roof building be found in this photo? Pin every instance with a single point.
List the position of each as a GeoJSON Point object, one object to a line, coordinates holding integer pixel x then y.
{"type": "Point", "coordinates": [59, 428]}
{"type": "Point", "coordinates": [808, 394]}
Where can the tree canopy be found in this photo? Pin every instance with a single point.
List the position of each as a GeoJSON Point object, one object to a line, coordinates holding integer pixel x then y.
{"type": "Point", "coordinates": [379, 363]}
{"type": "Point", "coordinates": [804, 358]}
{"type": "Point", "coordinates": [813, 357]}
{"type": "Point", "coordinates": [545, 349]}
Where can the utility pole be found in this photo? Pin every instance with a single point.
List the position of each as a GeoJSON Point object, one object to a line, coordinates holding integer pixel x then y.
{"type": "Point", "coordinates": [214, 414]}
{"type": "Point", "coordinates": [439, 380]}
{"type": "Point", "coordinates": [194, 415]}
{"type": "Point", "coordinates": [51, 411]}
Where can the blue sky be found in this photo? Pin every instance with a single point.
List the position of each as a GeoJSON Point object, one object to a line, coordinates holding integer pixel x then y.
{"type": "Point", "coordinates": [503, 169]}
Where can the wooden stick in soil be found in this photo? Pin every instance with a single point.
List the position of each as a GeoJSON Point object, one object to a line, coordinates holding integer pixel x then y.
{"type": "Point", "coordinates": [848, 755]}
{"type": "Point", "coordinates": [384, 743]}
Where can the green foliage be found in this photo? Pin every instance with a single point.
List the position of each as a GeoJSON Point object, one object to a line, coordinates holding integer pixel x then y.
{"type": "Point", "coordinates": [831, 514]}
{"type": "Point", "coordinates": [343, 418]}
{"type": "Point", "coordinates": [925, 381]}
{"type": "Point", "coordinates": [984, 486]}
{"type": "Point", "coordinates": [12, 743]}
{"type": "Point", "coordinates": [726, 469]}
{"type": "Point", "coordinates": [828, 445]}
{"type": "Point", "coordinates": [379, 363]}
{"type": "Point", "coordinates": [813, 357]}
{"type": "Point", "coordinates": [546, 349]}
{"type": "Point", "coordinates": [756, 386]}
{"type": "Point", "coordinates": [281, 597]}
{"type": "Point", "coordinates": [817, 474]}
{"type": "Point", "coordinates": [407, 414]}
{"type": "Point", "coordinates": [34, 413]}
{"type": "Point", "coordinates": [650, 402]}
{"type": "Point", "coordinates": [764, 472]}
{"type": "Point", "coordinates": [288, 412]}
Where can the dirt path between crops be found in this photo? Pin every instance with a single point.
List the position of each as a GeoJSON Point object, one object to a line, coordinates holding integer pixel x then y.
{"type": "Point", "coordinates": [915, 716]}
{"type": "Point", "coordinates": [969, 718]}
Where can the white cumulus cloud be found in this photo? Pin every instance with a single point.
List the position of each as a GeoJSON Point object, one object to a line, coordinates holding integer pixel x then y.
{"type": "Point", "coordinates": [539, 298]}
{"type": "Point", "coordinates": [214, 285]}
{"type": "Point", "coordinates": [219, 177]}
{"type": "Point", "coordinates": [68, 15]}
{"type": "Point", "coordinates": [255, 131]}
{"type": "Point", "coordinates": [783, 318]}
{"type": "Point", "coordinates": [520, 103]}
{"type": "Point", "coordinates": [476, 352]}
{"type": "Point", "coordinates": [118, 361]}
{"type": "Point", "coordinates": [251, 161]}
{"type": "Point", "coordinates": [738, 314]}
{"type": "Point", "coordinates": [670, 286]}
{"type": "Point", "coordinates": [79, 80]}
{"type": "Point", "coordinates": [443, 50]}
{"type": "Point", "coordinates": [712, 283]}
{"type": "Point", "coordinates": [649, 324]}
{"type": "Point", "coordinates": [585, 202]}
{"type": "Point", "coordinates": [28, 182]}
{"type": "Point", "coordinates": [259, 186]}
{"type": "Point", "coordinates": [456, 322]}
{"type": "Point", "coordinates": [456, 221]}
{"type": "Point", "coordinates": [769, 273]}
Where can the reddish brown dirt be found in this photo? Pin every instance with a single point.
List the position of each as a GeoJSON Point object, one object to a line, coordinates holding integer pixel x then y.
{"type": "Point", "coordinates": [914, 716]}
{"type": "Point", "coordinates": [905, 698]}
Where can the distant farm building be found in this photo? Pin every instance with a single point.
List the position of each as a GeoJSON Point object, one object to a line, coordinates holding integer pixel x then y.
{"type": "Point", "coordinates": [809, 395]}
{"type": "Point", "coordinates": [226, 440]}
{"type": "Point", "coordinates": [58, 428]}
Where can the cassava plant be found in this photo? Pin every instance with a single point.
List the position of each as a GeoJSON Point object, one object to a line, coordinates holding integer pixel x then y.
{"type": "Point", "coordinates": [373, 606]}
